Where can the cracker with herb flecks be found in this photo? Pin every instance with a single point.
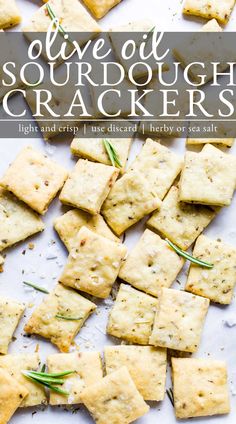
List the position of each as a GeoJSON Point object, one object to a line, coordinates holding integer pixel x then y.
{"type": "Point", "coordinates": [114, 399]}
{"type": "Point", "coordinates": [11, 396]}
{"type": "Point", "coordinates": [10, 315]}
{"type": "Point", "coordinates": [179, 320]}
{"type": "Point", "coordinates": [60, 316]}
{"type": "Point", "coordinates": [131, 198]}
{"type": "Point", "coordinates": [217, 283]}
{"type": "Point", "coordinates": [228, 142]}
{"type": "Point", "coordinates": [93, 264]}
{"type": "Point", "coordinates": [200, 387]}
{"type": "Point", "coordinates": [180, 222]}
{"type": "Point", "coordinates": [34, 178]}
{"type": "Point", "coordinates": [146, 365]}
{"type": "Point", "coordinates": [218, 9]}
{"type": "Point", "coordinates": [88, 185]}
{"type": "Point", "coordinates": [69, 224]}
{"type": "Point", "coordinates": [88, 370]}
{"type": "Point", "coordinates": [132, 315]}
{"type": "Point", "coordinates": [100, 8]}
{"type": "Point", "coordinates": [159, 165]}
{"type": "Point", "coordinates": [208, 177]}
{"type": "Point", "coordinates": [9, 14]}
{"type": "Point", "coordinates": [15, 364]}
{"type": "Point", "coordinates": [152, 264]}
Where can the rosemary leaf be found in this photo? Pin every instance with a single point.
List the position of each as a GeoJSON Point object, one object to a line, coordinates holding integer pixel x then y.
{"type": "Point", "coordinates": [44, 379]}
{"type": "Point", "coordinates": [67, 318]}
{"type": "Point", "coordinates": [57, 374]}
{"type": "Point", "coordinates": [34, 286]}
{"type": "Point", "coordinates": [49, 386]}
{"type": "Point", "coordinates": [188, 256]}
{"type": "Point", "coordinates": [150, 32]}
{"type": "Point", "coordinates": [112, 153]}
{"type": "Point", "coordinates": [52, 16]}
{"type": "Point", "coordinates": [43, 368]}
{"type": "Point", "coordinates": [170, 395]}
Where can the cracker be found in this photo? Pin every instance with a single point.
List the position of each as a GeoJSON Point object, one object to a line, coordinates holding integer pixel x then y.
{"type": "Point", "coordinates": [69, 224]}
{"type": "Point", "coordinates": [209, 9]}
{"type": "Point", "coordinates": [152, 264]}
{"type": "Point", "coordinates": [179, 320]}
{"type": "Point", "coordinates": [208, 177]}
{"type": "Point", "coordinates": [114, 399]}
{"type": "Point", "coordinates": [100, 8]}
{"type": "Point", "coordinates": [228, 142]}
{"type": "Point", "coordinates": [15, 364]}
{"type": "Point", "coordinates": [88, 370]}
{"type": "Point", "coordinates": [131, 198]}
{"type": "Point", "coordinates": [17, 221]}
{"type": "Point", "coordinates": [217, 284]}
{"type": "Point", "coordinates": [34, 178]}
{"type": "Point", "coordinates": [64, 302]}
{"type": "Point", "coordinates": [10, 315]}
{"type": "Point", "coordinates": [146, 365]}
{"type": "Point", "coordinates": [93, 264]}
{"type": "Point", "coordinates": [132, 315]}
{"type": "Point", "coordinates": [159, 165]}
{"type": "Point", "coordinates": [9, 14]}
{"type": "Point", "coordinates": [88, 185]}
{"type": "Point", "coordinates": [11, 395]}
{"type": "Point", "coordinates": [180, 222]}
{"type": "Point", "coordinates": [200, 387]}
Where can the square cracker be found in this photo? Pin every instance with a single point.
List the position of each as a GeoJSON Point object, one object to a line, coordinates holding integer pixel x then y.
{"type": "Point", "coordinates": [152, 264]}
{"type": "Point", "coordinates": [131, 198]}
{"type": "Point", "coordinates": [69, 224]}
{"type": "Point", "coordinates": [179, 320]}
{"type": "Point", "coordinates": [208, 177]}
{"type": "Point", "coordinates": [180, 222]}
{"type": "Point", "coordinates": [132, 315]}
{"type": "Point", "coordinates": [88, 370]}
{"type": "Point", "coordinates": [10, 315]}
{"type": "Point", "coordinates": [11, 395]}
{"type": "Point", "coordinates": [17, 221]}
{"type": "Point", "coordinates": [100, 8]}
{"type": "Point", "coordinates": [228, 142]}
{"type": "Point", "coordinates": [93, 264]}
{"type": "Point", "coordinates": [65, 302]}
{"type": "Point", "coordinates": [146, 365]}
{"type": "Point", "coordinates": [200, 387]}
{"type": "Point", "coordinates": [159, 165]}
{"type": "Point", "coordinates": [15, 364]}
{"type": "Point", "coordinates": [9, 14]}
{"type": "Point", "coordinates": [114, 399]}
{"type": "Point", "coordinates": [218, 9]}
{"type": "Point", "coordinates": [217, 284]}
{"type": "Point", "coordinates": [88, 185]}
{"type": "Point", "coordinates": [34, 178]}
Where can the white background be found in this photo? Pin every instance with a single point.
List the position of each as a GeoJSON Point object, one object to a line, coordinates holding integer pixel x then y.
{"type": "Point", "coordinates": [219, 341]}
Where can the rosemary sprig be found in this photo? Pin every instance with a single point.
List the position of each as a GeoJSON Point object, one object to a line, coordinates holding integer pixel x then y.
{"type": "Point", "coordinates": [170, 395]}
{"type": "Point", "coordinates": [67, 318]}
{"type": "Point", "coordinates": [188, 256]}
{"type": "Point", "coordinates": [48, 380]}
{"type": "Point", "coordinates": [52, 16]}
{"type": "Point", "coordinates": [112, 153]}
{"type": "Point", "coordinates": [34, 286]}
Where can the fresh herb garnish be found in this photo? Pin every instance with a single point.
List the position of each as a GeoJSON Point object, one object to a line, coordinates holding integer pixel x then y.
{"type": "Point", "coordinates": [52, 16]}
{"type": "Point", "coordinates": [188, 256]}
{"type": "Point", "coordinates": [34, 286]}
{"type": "Point", "coordinates": [112, 153]}
{"type": "Point", "coordinates": [170, 395]}
{"type": "Point", "coordinates": [49, 380]}
{"type": "Point", "coordinates": [67, 318]}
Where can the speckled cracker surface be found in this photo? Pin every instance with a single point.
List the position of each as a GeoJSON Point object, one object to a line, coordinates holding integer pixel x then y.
{"type": "Point", "coordinates": [218, 9]}
{"type": "Point", "coordinates": [17, 221]}
{"type": "Point", "coordinates": [114, 399]}
{"type": "Point", "coordinates": [179, 320]}
{"type": "Point", "coordinates": [100, 8]}
{"type": "Point", "coordinates": [15, 364]}
{"type": "Point", "coordinates": [152, 264]}
{"type": "Point", "coordinates": [34, 178]}
{"type": "Point", "coordinates": [200, 387]}
{"type": "Point", "coordinates": [131, 198]}
{"type": "Point", "coordinates": [132, 315]}
{"type": "Point", "coordinates": [69, 224]}
{"type": "Point", "coordinates": [63, 302]}
{"type": "Point", "coordinates": [88, 370]}
{"type": "Point", "coordinates": [208, 177]}
{"type": "Point", "coordinates": [93, 263]}
{"type": "Point", "coordinates": [180, 222]}
{"type": "Point", "coordinates": [146, 365]}
{"type": "Point", "coordinates": [9, 14]}
{"type": "Point", "coordinates": [217, 283]}
{"type": "Point", "coordinates": [88, 185]}
{"type": "Point", "coordinates": [11, 395]}
{"type": "Point", "coordinates": [159, 165]}
{"type": "Point", "coordinates": [10, 315]}
{"type": "Point", "coordinates": [228, 142]}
